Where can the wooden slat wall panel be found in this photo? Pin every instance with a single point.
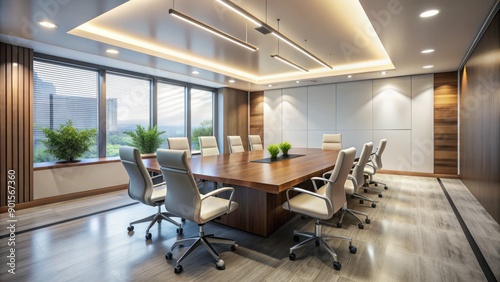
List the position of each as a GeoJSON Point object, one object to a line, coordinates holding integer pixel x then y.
{"type": "Point", "coordinates": [446, 123]}
{"type": "Point", "coordinates": [480, 121]}
{"type": "Point", "coordinates": [16, 108]}
{"type": "Point", "coordinates": [257, 114]}
{"type": "Point", "coordinates": [235, 115]}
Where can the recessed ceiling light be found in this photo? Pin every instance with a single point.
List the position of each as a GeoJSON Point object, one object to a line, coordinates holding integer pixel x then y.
{"type": "Point", "coordinates": [384, 72]}
{"type": "Point", "coordinates": [427, 51]}
{"type": "Point", "coordinates": [195, 72]}
{"type": "Point", "coordinates": [232, 81]}
{"type": "Point", "coordinates": [14, 64]}
{"type": "Point", "coordinates": [349, 76]}
{"type": "Point", "coordinates": [112, 51]}
{"type": "Point", "coordinates": [298, 81]}
{"type": "Point", "coordinates": [428, 67]}
{"type": "Point", "coordinates": [429, 13]}
{"type": "Point", "coordinates": [270, 85]}
{"type": "Point", "coordinates": [47, 24]}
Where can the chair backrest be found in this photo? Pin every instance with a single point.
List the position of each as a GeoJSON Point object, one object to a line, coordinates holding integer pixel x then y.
{"type": "Point", "coordinates": [377, 157]}
{"type": "Point", "coordinates": [332, 142]}
{"type": "Point", "coordinates": [235, 144]}
{"type": "Point", "coordinates": [208, 146]}
{"type": "Point", "coordinates": [183, 198]}
{"type": "Point", "coordinates": [255, 142]}
{"type": "Point", "coordinates": [140, 185]}
{"type": "Point", "coordinates": [335, 191]}
{"type": "Point", "coordinates": [358, 170]}
{"type": "Point", "coordinates": [179, 143]}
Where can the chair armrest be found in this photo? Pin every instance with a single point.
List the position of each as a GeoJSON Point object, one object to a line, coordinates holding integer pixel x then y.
{"type": "Point", "coordinates": [354, 181]}
{"type": "Point", "coordinates": [329, 204]}
{"type": "Point", "coordinates": [314, 179]}
{"type": "Point", "coordinates": [327, 173]}
{"type": "Point", "coordinates": [159, 184]}
{"type": "Point", "coordinates": [220, 190]}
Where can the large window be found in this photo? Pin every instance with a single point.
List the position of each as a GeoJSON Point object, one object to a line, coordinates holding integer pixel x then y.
{"type": "Point", "coordinates": [201, 116]}
{"type": "Point", "coordinates": [171, 110]}
{"type": "Point", "coordinates": [63, 93]}
{"type": "Point", "coordinates": [127, 105]}
{"type": "Point", "coordinates": [71, 91]}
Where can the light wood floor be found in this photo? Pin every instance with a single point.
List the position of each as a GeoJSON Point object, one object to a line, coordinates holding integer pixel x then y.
{"type": "Point", "coordinates": [414, 235]}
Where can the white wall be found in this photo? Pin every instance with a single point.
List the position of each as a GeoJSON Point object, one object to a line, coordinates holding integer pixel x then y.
{"type": "Point", "coordinates": [66, 180]}
{"type": "Point", "coordinates": [400, 109]}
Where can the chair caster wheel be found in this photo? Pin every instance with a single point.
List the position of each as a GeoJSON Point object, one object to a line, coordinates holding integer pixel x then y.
{"type": "Point", "coordinates": [130, 228]}
{"type": "Point", "coordinates": [376, 184]}
{"type": "Point", "coordinates": [220, 265]}
{"type": "Point", "coordinates": [366, 190]}
{"type": "Point", "coordinates": [380, 195]}
{"type": "Point", "coordinates": [367, 221]}
{"type": "Point", "coordinates": [385, 187]}
{"type": "Point", "coordinates": [337, 265]}
{"type": "Point", "coordinates": [291, 256]}
{"type": "Point", "coordinates": [168, 256]}
{"type": "Point", "coordinates": [360, 225]}
{"type": "Point", "coordinates": [374, 205]}
{"type": "Point", "coordinates": [179, 230]}
{"type": "Point", "coordinates": [183, 219]}
{"type": "Point", "coordinates": [233, 248]}
{"type": "Point", "coordinates": [149, 236]}
{"type": "Point", "coordinates": [352, 196]}
{"type": "Point", "coordinates": [316, 243]}
{"type": "Point", "coordinates": [178, 269]}
{"type": "Point", "coordinates": [353, 249]}
{"type": "Point", "coordinates": [296, 238]}
{"type": "Point", "coordinates": [339, 224]}
{"type": "Point", "coordinates": [361, 201]}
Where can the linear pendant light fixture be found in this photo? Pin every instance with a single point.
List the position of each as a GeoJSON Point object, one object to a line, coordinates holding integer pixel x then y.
{"type": "Point", "coordinates": [288, 62]}
{"type": "Point", "coordinates": [264, 28]}
{"type": "Point", "coordinates": [212, 30]}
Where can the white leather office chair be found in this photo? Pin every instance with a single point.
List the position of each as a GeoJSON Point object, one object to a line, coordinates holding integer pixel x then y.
{"type": "Point", "coordinates": [185, 201]}
{"type": "Point", "coordinates": [141, 188]}
{"type": "Point", "coordinates": [182, 143]}
{"type": "Point", "coordinates": [332, 142]}
{"type": "Point", "coordinates": [235, 144]}
{"type": "Point", "coordinates": [354, 181]}
{"type": "Point", "coordinates": [255, 142]}
{"type": "Point", "coordinates": [208, 146]}
{"type": "Point", "coordinates": [179, 143]}
{"type": "Point", "coordinates": [373, 166]}
{"type": "Point", "coordinates": [322, 205]}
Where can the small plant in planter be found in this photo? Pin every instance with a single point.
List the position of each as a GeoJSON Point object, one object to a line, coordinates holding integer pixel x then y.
{"type": "Point", "coordinates": [285, 146]}
{"type": "Point", "coordinates": [68, 143]}
{"type": "Point", "coordinates": [147, 140]}
{"type": "Point", "coordinates": [274, 150]}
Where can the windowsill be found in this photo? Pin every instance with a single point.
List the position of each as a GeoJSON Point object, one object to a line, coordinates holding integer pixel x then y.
{"type": "Point", "coordinates": [51, 165]}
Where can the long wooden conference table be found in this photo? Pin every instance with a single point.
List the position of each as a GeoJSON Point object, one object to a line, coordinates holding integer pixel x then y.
{"type": "Point", "coordinates": [259, 185]}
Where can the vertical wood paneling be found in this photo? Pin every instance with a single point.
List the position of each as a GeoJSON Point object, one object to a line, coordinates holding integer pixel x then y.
{"type": "Point", "coordinates": [257, 114]}
{"type": "Point", "coordinates": [479, 121]}
{"type": "Point", "coordinates": [235, 115]}
{"type": "Point", "coordinates": [446, 123]}
{"type": "Point", "coordinates": [16, 144]}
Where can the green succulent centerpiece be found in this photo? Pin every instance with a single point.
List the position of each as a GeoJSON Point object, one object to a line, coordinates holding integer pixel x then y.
{"type": "Point", "coordinates": [68, 143]}
{"type": "Point", "coordinates": [273, 150]}
{"type": "Point", "coordinates": [285, 147]}
{"type": "Point", "coordinates": [147, 140]}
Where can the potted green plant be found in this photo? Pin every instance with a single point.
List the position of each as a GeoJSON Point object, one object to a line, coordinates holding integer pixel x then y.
{"type": "Point", "coordinates": [147, 140]}
{"type": "Point", "coordinates": [68, 143]}
{"type": "Point", "coordinates": [274, 150]}
{"type": "Point", "coordinates": [285, 146]}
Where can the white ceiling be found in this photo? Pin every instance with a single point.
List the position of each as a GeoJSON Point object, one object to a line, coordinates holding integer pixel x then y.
{"type": "Point", "coordinates": [340, 32]}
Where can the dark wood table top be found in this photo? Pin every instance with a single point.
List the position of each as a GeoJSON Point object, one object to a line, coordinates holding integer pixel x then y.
{"type": "Point", "coordinates": [276, 177]}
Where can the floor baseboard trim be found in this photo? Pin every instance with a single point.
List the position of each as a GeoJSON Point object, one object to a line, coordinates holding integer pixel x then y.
{"type": "Point", "coordinates": [485, 267]}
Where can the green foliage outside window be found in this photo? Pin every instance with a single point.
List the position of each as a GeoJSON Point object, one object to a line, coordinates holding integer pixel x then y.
{"type": "Point", "coordinates": [205, 129]}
